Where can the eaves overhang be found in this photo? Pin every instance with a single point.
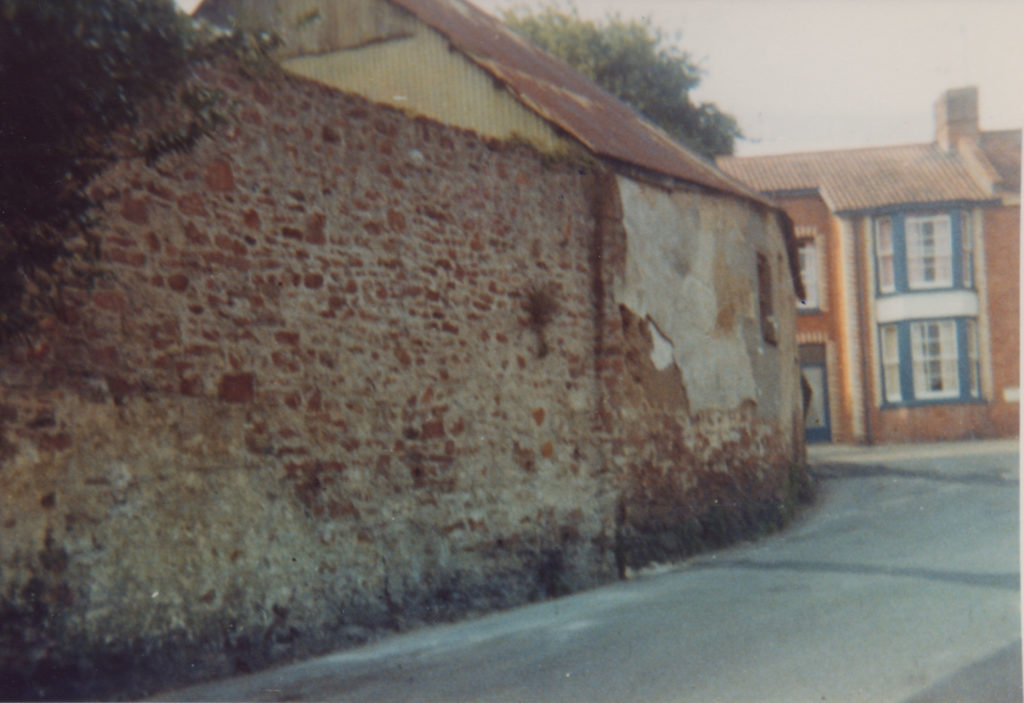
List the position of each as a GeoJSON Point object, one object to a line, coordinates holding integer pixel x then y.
{"type": "Point", "coordinates": [924, 205]}
{"type": "Point", "coordinates": [793, 193]}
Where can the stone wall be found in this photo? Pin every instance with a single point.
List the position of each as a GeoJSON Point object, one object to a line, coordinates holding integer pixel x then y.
{"type": "Point", "coordinates": [341, 371]}
{"type": "Point", "coordinates": [710, 417]}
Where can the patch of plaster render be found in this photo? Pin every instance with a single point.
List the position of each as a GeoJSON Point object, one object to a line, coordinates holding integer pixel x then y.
{"type": "Point", "coordinates": [669, 278]}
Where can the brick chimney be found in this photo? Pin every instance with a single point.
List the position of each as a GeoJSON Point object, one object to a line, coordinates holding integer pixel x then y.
{"type": "Point", "coordinates": [956, 116]}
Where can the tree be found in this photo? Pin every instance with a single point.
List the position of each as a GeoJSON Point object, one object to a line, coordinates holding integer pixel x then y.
{"type": "Point", "coordinates": [75, 74]}
{"type": "Point", "coordinates": [633, 61]}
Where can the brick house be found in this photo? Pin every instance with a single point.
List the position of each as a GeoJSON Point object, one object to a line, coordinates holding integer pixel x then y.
{"type": "Point", "coordinates": [909, 329]}
{"type": "Point", "coordinates": [431, 326]}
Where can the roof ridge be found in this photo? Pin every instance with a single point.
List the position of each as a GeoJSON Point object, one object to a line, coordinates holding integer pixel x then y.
{"type": "Point", "coordinates": [829, 152]}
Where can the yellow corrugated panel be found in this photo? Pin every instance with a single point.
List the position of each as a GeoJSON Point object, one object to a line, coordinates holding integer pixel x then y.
{"type": "Point", "coordinates": [421, 74]}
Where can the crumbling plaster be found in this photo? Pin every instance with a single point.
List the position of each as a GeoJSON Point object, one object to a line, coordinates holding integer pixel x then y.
{"type": "Point", "coordinates": [690, 258]}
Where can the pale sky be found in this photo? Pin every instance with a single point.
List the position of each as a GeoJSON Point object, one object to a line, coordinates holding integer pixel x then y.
{"type": "Point", "coordinates": [817, 74]}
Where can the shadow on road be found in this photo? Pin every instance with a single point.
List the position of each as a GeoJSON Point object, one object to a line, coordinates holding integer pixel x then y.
{"type": "Point", "coordinates": [1008, 581]}
{"type": "Point", "coordinates": [834, 471]}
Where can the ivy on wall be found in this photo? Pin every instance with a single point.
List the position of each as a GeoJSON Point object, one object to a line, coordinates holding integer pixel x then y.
{"type": "Point", "coordinates": [77, 78]}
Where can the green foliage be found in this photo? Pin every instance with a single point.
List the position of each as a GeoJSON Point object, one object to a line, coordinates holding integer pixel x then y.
{"type": "Point", "coordinates": [75, 75]}
{"type": "Point", "coordinates": [633, 61]}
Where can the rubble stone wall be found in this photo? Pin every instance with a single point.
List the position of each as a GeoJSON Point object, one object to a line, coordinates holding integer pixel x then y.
{"type": "Point", "coordinates": [339, 371]}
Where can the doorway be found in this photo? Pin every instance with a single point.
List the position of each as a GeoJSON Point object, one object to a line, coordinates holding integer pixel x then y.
{"type": "Point", "coordinates": [816, 417]}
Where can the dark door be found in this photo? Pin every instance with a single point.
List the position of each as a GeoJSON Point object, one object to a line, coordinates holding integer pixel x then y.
{"type": "Point", "coordinates": [816, 422]}
{"type": "Point", "coordinates": [814, 370]}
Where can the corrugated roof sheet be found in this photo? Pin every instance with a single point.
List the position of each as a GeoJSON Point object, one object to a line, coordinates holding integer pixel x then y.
{"type": "Point", "coordinates": [559, 94]}
{"type": "Point", "coordinates": [862, 179]}
{"type": "Point", "coordinates": [554, 91]}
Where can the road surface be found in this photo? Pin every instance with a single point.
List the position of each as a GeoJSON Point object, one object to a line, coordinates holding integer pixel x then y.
{"type": "Point", "coordinates": [900, 584]}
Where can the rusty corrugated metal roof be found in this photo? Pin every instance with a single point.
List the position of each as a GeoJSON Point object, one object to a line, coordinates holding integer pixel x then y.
{"type": "Point", "coordinates": [554, 91]}
{"type": "Point", "coordinates": [863, 179]}
{"type": "Point", "coordinates": [574, 103]}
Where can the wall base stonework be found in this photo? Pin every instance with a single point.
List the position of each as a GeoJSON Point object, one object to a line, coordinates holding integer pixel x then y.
{"type": "Point", "coordinates": [131, 561]}
{"type": "Point", "coordinates": [306, 401]}
{"type": "Point", "coordinates": [936, 423]}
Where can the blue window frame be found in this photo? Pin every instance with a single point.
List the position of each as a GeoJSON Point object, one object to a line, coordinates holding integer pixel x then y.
{"type": "Point", "coordinates": [929, 361]}
{"type": "Point", "coordinates": [922, 251]}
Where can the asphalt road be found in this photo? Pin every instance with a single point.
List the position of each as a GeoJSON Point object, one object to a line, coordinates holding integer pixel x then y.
{"type": "Point", "coordinates": [901, 584]}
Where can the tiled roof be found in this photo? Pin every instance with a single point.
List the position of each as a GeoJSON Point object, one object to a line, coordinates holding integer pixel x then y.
{"type": "Point", "coordinates": [1002, 149]}
{"type": "Point", "coordinates": [862, 179]}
